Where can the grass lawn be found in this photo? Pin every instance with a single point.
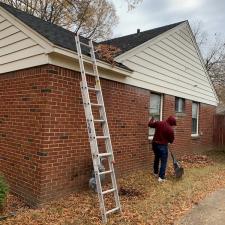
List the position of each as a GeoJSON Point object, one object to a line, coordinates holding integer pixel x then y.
{"type": "Point", "coordinates": [145, 201]}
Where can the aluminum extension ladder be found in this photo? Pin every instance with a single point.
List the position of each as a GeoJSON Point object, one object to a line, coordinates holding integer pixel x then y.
{"type": "Point", "coordinates": [93, 138]}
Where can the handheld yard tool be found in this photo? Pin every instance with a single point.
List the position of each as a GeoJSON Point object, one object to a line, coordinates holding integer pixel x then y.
{"type": "Point", "coordinates": [178, 169]}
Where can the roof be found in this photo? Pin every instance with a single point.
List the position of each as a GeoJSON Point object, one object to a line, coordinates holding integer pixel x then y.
{"type": "Point", "coordinates": [65, 38]}
{"type": "Point", "coordinates": [128, 42]}
{"type": "Point", "coordinates": [55, 34]}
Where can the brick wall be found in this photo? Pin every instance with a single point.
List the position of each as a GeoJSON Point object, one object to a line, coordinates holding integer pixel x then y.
{"type": "Point", "coordinates": [184, 143]}
{"type": "Point", "coordinates": [205, 140]}
{"type": "Point", "coordinates": [68, 164]}
{"type": "Point", "coordinates": [43, 137]}
{"type": "Point", "coordinates": [22, 108]}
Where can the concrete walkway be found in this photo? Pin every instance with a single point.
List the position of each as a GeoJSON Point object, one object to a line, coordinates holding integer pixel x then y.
{"type": "Point", "coordinates": [210, 211]}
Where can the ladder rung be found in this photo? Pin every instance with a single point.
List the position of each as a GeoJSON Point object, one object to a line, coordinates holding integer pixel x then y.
{"type": "Point", "coordinates": [104, 154]}
{"type": "Point", "coordinates": [82, 43]}
{"type": "Point", "coordinates": [92, 74]}
{"type": "Point", "coordinates": [112, 210]}
{"type": "Point", "coordinates": [96, 104]}
{"type": "Point", "coordinates": [100, 121]}
{"type": "Point", "coordinates": [102, 137]}
{"type": "Point", "coordinates": [108, 191]}
{"type": "Point", "coordinates": [105, 172]}
{"type": "Point", "coordinates": [93, 89]}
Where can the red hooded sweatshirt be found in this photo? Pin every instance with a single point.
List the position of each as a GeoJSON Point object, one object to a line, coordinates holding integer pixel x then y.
{"type": "Point", "coordinates": [164, 133]}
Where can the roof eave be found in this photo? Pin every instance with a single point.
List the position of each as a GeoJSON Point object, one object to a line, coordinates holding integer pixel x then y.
{"type": "Point", "coordinates": [102, 64]}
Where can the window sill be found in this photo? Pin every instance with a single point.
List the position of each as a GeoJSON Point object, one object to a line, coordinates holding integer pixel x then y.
{"type": "Point", "coordinates": [195, 136]}
{"type": "Point", "coordinates": [180, 114]}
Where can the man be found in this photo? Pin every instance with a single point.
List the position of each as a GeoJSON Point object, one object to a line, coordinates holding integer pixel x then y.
{"type": "Point", "coordinates": [164, 134]}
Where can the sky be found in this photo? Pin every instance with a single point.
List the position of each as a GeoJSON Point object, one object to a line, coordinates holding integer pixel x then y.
{"type": "Point", "coordinates": [155, 13]}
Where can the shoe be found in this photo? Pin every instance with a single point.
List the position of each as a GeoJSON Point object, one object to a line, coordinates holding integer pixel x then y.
{"type": "Point", "coordinates": [155, 175]}
{"type": "Point", "coordinates": [161, 180]}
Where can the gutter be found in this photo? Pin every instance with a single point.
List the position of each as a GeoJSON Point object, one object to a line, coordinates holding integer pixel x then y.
{"type": "Point", "coordinates": [116, 69]}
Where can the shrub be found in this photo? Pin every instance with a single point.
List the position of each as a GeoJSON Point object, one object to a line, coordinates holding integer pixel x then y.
{"type": "Point", "coordinates": [4, 189]}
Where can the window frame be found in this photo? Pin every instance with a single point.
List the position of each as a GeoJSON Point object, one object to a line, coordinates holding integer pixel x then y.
{"type": "Point", "coordinates": [150, 137]}
{"type": "Point", "coordinates": [183, 108]}
{"type": "Point", "coordinates": [197, 128]}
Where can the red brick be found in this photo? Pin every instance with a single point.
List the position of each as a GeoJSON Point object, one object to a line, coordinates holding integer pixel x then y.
{"type": "Point", "coordinates": [44, 144]}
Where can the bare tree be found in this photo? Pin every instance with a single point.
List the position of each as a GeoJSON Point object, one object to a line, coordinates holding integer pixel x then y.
{"type": "Point", "coordinates": [133, 3]}
{"type": "Point", "coordinates": [215, 61]}
{"type": "Point", "coordinates": [220, 89]}
{"type": "Point", "coordinates": [213, 50]}
{"type": "Point", "coordinates": [92, 18]}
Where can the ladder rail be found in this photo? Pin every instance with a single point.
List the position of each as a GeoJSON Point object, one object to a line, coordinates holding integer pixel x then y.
{"type": "Point", "coordinates": [105, 127]}
{"type": "Point", "coordinates": [79, 52]}
{"type": "Point", "coordinates": [93, 142]}
{"type": "Point", "coordinates": [100, 98]}
{"type": "Point", "coordinates": [93, 145]}
{"type": "Point", "coordinates": [93, 138]}
{"type": "Point", "coordinates": [109, 150]}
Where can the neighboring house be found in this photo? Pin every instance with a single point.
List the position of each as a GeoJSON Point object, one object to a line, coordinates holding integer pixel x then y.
{"type": "Point", "coordinates": [44, 148]}
{"type": "Point", "coordinates": [220, 89]}
{"type": "Point", "coordinates": [220, 109]}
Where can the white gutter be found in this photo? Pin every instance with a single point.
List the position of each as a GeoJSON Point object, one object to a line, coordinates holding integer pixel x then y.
{"type": "Point", "coordinates": [101, 64]}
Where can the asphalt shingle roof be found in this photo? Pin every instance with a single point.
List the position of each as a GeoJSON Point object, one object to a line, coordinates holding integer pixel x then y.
{"type": "Point", "coordinates": [55, 34]}
{"type": "Point", "coordinates": [128, 42]}
{"type": "Point", "coordinates": [65, 38]}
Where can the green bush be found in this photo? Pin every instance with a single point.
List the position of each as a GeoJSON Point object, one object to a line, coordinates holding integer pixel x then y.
{"type": "Point", "coordinates": [4, 189]}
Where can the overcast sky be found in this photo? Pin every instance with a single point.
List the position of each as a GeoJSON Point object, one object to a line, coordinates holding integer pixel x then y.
{"type": "Point", "coordinates": [154, 13]}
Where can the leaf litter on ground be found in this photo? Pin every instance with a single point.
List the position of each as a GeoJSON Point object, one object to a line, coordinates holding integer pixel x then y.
{"type": "Point", "coordinates": [144, 201]}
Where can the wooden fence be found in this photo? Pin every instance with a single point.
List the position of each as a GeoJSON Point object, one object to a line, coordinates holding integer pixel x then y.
{"type": "Point", "coordinates": [219, 130]}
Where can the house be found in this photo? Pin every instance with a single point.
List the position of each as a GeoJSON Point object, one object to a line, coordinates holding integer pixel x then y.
{"type": "Point", "coordinates": [44, 148]}
{"type": "Point", "coordinates": [220, 109]}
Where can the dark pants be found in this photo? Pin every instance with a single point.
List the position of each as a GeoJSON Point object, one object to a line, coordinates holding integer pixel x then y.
{"type": "Point", "coordinates": [161, 154]}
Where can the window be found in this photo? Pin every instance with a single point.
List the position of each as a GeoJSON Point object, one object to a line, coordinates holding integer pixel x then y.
{"type": "Point", "coordinates": [155, 109]}
{"type": "Point", "coordinates": [195, 115]}
{"type": "Point", "coordinates": [179, 105]}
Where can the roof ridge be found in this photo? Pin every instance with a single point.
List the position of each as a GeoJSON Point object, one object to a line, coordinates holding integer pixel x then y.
{"type": "Point", "coordinates": [128, 42]}
{"type": "Point", "coordinates": [145, 31]}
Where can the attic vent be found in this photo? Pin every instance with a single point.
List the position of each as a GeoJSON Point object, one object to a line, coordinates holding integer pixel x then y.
{"type": "Point", "coordinates": [138, 31]}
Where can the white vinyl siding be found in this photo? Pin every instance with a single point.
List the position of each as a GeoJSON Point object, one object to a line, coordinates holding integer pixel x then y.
{"type": "Point", "coordinates": [172, 66]}
{"type": "Point", "coordinates": [17, 48]}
